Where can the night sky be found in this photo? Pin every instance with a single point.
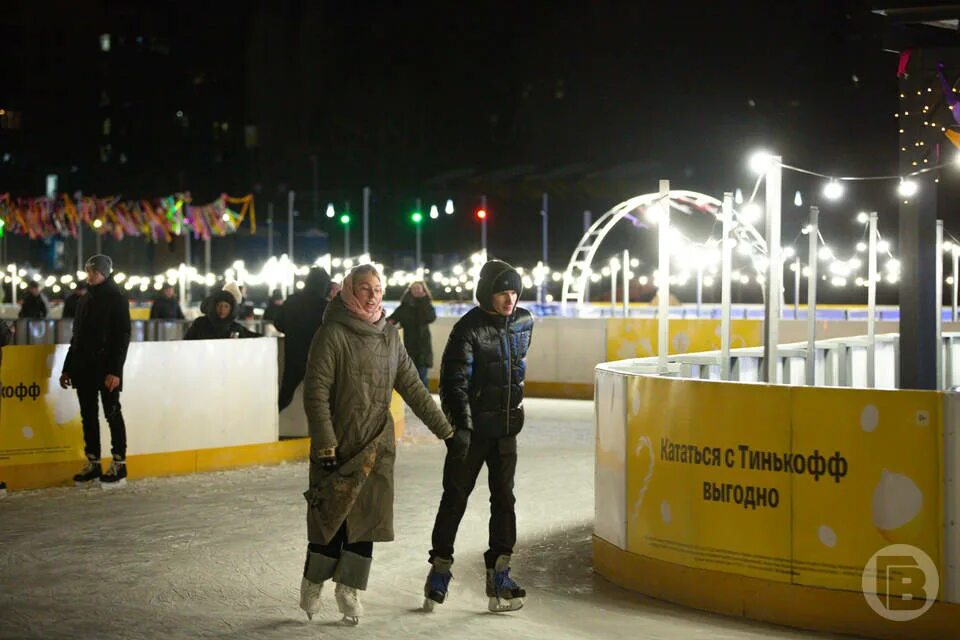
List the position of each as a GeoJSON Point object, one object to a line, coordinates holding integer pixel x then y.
{"type": "Point", "coordinates": [591, 102]}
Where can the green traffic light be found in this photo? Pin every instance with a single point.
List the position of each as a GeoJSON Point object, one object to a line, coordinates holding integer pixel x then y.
{"type": "Point", "coordinates": [417, 217]}
{"type": "Point", "coordinates": [345, 218]}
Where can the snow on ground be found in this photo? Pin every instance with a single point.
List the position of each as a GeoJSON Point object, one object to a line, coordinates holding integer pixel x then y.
{"type": "Point", "coordinates": [220, 555]}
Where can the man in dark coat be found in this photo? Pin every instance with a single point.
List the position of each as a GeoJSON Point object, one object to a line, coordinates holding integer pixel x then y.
{"type": "Point", "coordinates": [166, 307]}
{"type": "Point", "coordinates": [70, 304]}
{"type": "Point", "coordinates": [299, 318]}
{"type": "Point", "coordinates": [6, 337]}
{"type": "Point", "coordinates": [94, 366]}
{"type": "Point", "coordinates": [34, 305]}
{"type": "Point", "coordinates": [481, 393]}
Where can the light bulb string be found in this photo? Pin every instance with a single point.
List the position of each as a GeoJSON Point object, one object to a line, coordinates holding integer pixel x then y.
{"type": "Point", "coordinates": [859, 178]}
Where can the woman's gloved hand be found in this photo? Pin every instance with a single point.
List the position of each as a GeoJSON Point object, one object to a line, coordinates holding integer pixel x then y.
{"type": "Point", "coordinates": [327, 459]}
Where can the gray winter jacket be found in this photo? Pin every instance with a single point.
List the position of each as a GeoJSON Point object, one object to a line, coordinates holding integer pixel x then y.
{"type": "Point", "coordinates": [352, 369]}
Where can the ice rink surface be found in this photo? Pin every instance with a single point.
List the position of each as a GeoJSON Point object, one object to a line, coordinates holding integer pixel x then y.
{"type": "Point", "coordinates": [220, 555]}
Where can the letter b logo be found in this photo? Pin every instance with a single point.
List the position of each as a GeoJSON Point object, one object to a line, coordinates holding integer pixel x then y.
{"type": "Point", "coordinates": [900, 582]}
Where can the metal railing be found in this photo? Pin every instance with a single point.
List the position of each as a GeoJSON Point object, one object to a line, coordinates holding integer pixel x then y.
{"type": "Point", "coordinates": [839, 362]}
{"type": "Point", "coordinates": [53, 331]}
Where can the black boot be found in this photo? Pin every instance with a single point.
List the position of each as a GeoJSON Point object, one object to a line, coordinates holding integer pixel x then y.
{"type": "Point", "coordinates": [89, 473]}
{"type": "Point", "coordinates": [116, 476]}
{"type": "Point", "coordinates": [503, 592]}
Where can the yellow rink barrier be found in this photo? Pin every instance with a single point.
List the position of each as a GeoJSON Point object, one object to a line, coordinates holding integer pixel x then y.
{"type": "Point", "coordinates": [639, 337]}
{"type": "Point", "coordinates": [770, 502]}
{"type": "Point", "coordinates": [188, 407]}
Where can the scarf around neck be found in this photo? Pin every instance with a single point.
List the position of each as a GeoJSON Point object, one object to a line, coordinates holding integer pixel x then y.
{"type": "Point", "coordinates": [350, 301]}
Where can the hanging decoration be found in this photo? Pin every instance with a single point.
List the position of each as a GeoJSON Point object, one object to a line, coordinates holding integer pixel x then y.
{"type": "Point", "coordinates": [157, 221]}
{"type": "Point", "coordinates": [949, 94]}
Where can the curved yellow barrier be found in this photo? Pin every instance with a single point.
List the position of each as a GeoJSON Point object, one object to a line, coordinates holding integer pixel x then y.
{"type": "Point", "coordinates": [780, 503]}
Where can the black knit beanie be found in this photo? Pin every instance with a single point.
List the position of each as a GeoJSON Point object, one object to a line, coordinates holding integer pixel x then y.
{"type": "Point", "coordinates": [496, 276]}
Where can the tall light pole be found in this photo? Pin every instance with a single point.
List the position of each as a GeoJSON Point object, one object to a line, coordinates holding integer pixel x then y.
{"type": "Point", "coordinates": [482, 214]}
{"type": "Point", "coordinates": [269, 230]}
{"type": "Point", "coordinates": [290, 198]}
{"type": "Point", "coordinates": [663, 289]}
{"type": "Point", "coordinates": [366, 220]}
{"type": "Point", "coordinates": [813, 230]}
{"type": "Point", "coordinates": [726, 262]}
{"type": "Point", "coordinates": [418, 223]}
{"type": "Point", "coordinates": [771, 305]}
{"type": "Point", "coordinates": [316, 187]}
{"type": "Point", "coordinates": [545, 214]}
{"type": "Point", "coordinates": [345, 221]}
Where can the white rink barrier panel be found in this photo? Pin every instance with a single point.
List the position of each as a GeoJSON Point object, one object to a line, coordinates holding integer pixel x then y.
{"type": "Point", "coordinates": [177, 396]}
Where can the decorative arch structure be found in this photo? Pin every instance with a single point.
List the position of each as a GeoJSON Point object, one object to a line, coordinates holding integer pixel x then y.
{"type": "Point", "coordinates": [579, 269]}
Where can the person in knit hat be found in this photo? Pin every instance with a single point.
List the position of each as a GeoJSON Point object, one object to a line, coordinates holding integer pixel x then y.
{"type": "Point", "coordinates": [219, 321]}
{"type": "Point", "coordinates": [94, 367]}
{"type": "Point", "coordinates": [481, 393]}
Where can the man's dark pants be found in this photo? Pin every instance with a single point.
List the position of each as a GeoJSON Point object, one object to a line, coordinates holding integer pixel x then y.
{"type": "Point", "coordinates": [459, 479]}
{"type": "Point", "coordinates": [88, 392]}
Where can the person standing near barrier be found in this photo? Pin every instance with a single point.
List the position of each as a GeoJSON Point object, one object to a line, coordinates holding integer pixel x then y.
{"type": "Point", "coordinates": [34, 304]}
{"type": "Point", "coordinates": [166, 306]}
{"type": "Point", "coordinates": [94, 367]}
{"type": "Point", "coordinates": [219, 320]}
{"type": "Point", "coordinates": [299, 318]}
{"type": "Point", "coordinates": [481, 392]}
{"type": "Point", "coordinates": [70, 304]}
{"type": "Point", "coordinates": [414, 315]}
{"type": "Point", "coordinates": [6, 337]}
{"type": "Point", "coordinates": [356, 360]}
{"type": "Point", "coordinates": [274, 304]}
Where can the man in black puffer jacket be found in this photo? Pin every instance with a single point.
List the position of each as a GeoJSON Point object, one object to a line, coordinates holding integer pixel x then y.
{"type": "Point", "coordinates": [94, 366]}
{"type": "Point", "coordinates": [481, 392]}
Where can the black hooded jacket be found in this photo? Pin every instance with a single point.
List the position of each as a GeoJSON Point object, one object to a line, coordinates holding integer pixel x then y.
{"type": "Point", "coordinates": [164, 308]}
{"type": "Point", "coordinates": [414, 316]}
{"type": "Point", "coordinates": [299, 318]}
{"type": "Point", "coordinates": [483, 367]}
{"type": "Point", "coordinates": [212, 327]}
{"type": "Point", "coordinates": [101, 335]}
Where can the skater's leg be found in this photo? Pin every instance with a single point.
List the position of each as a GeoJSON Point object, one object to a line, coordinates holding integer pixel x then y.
{"type": "Point", "coordinates": [501, 468]}
{"type": "Point", "coordinates": [459, 478]}
{"type": "Point", "coordinates": [503, 592]}
{"type": "Point", "coordinates": [118, 429]}
{"type": "Point", "coordinates": [353, 572]}
{"type": "Point", "coordinates": [90, 417]}
{"type": "Point", "coordinates": [334, 548]}
{"type": "Point", "coordinates": [320, 566]}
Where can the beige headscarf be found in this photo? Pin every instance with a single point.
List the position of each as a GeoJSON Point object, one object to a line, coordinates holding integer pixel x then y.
{"type": "Point", "coordinates": [353, 305]}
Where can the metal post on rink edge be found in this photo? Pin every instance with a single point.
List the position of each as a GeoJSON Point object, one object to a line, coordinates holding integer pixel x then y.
{"type": "Point", "coordinates": [796, 288]}
{"type": "Point", "coordinates": [725, 267]}
{"type": "Point", "coordinates": [955, 258]}
{"type": "Point", "coordinates": [812, 279]}
{"type": "Point", "coordinates": [939, 303]}
{"type": "Point", "coordinates": [872, 303]}
{"type": "Point", "coordinates": [663, 289]}
{"type": "Point", "coordinates": [626, 283]}
{"type": "Point", "coordinates": [771, 306]}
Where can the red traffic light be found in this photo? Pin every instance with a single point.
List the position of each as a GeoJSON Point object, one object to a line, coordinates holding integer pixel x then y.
{"type": "Point", "coordinates": [481, 214]}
